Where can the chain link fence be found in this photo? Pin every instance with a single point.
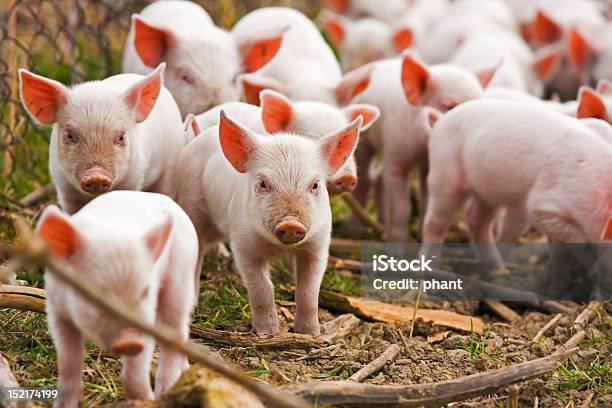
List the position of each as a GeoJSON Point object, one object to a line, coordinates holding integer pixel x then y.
{"type": "Point", "coordinates": [70, 41]}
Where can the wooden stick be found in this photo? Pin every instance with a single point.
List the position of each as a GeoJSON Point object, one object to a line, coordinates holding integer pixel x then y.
{"type": "Point", "coordinates": [429, 395]}
{"type": "Point", "coordinates": [552, 323]}
{"type": "Point", "coordinates": [38, 195]}
{"type": "Point", "coordinates": [386, 357]}
{"type": "Point", "coordinates": [348, 264]}
{"type": "Point", "coordinates": [415, 308]}
{"type": "Point", "coordinates": [385, 312]}
{"type": "Point", "coordinates": [285, 341]}
{"type": "Point", "coordinates": [502, 311]}
{"type": "Point", "coordinates": [22, 298]}
{"type": "Point", "coordinates": [338, 328]}
{"type": "Point", "coordinates": [362, 213]}
{"type": "Point", "coordinates": [349, 245]}
{"type": "Point", "coordinates": [31, 247]}
{"type": "Point", "coordinates": [488, 289]}
{"type": "Point", "coordinates": [587, 314]}
{"type": "Point", "coordinates": [11, 27]}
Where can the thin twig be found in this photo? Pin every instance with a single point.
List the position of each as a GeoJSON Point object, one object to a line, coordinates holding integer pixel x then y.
{"type": "Point", "coordinates": [362, 213]}
{"type": "Point", "coordinates": [387, 356]}
{"type": "Point", "coordinates": [502, 310]}
{"type": "Point", "coordinates": [551, 324]}
{"type": "Point", "coordinates": [32, 248]}
{"type": "Point", "coordinates": [513, 396]}
{"type": "Point", "coordinates": [415, 308]}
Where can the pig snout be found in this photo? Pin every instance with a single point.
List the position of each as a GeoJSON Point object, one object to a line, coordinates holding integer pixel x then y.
{"type": "Point", "coordinates": [290, 231]}
{"type": "Point", "coordinates": [128, 343]}
{"type": "Point", "coordinates": [96, 180]}
{"type": "Point", "coordinates": [343, 184]}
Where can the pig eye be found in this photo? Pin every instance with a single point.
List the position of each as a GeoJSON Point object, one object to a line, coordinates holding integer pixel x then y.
{"type": "Point", "coordinates": [70, 137]}
{"type": "Point", "coordinates": [120, 139]}
{"type": "Point", "coordinates": [314, 187]}
{"type": "Point", "coordinates": [187, 79]}
{"type": "Point", "coordinates": [263, 186]}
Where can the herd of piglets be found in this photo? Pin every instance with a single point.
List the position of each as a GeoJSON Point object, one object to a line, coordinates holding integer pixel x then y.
{"type": "Point", "coordinates": [241, 136]}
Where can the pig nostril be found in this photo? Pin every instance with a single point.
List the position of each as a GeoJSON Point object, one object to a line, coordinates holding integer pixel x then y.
{"type": "Point", "coordinates": [290, 233]}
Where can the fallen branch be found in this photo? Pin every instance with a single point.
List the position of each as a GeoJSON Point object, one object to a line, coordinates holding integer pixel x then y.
{"type": "Point", "coordinates": [362, 213]}
{"type": "Point", "coordinates": [279, 341]}
{"type": "Point", "coordinates": [338, 328]}
{"type": "Point", "coordinates": [587, 314]}
{"type": "Point", "coordinates": [22, 298]}
{"type": "Point", "coordinates": [40, 194]}
{"type": "Point", "coordinates": [487, 289]}
{"type": "Point", "coordinates": [429, 395]}
{"type": "Point", "coordinates": [349, 245]}
{"type": "Point", "coordinates": [386, 357]}
{"type": "Point", "coordinates": [502, 311]}
{"type": "Point", "coordinates": [348, 264]}
{"type": "Point", "coordinates": [552, 323]}
{"type": "Point", "coordinates": [32, 248]}
{"type": "Point", "coordinates": [385, 312]}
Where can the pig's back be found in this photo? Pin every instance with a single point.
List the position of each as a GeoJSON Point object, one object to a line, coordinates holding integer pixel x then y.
{"type": "Point", "coordinates": [178, 15]}
{"type": "Point", "coordinates": [302, 43]}
{"type": "Point", "coordinates": [499, 144]}
{"type": "Point", "coordinates": [136, 212]}
{"type": "Point", "coordinates": [244, 113]}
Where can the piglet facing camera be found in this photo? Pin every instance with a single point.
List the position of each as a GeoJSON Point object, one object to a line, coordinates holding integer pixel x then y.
{"type": "Point", "coordinates": [267, 197]}
{"type": "Point", "coordinates": [139, 249]}
{"type": "Point", "coordinates": [122, 133]}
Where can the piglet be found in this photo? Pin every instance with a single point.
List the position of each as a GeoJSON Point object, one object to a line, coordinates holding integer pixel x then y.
{"type": "Point", "coordinates": [204, 61]}
{"type": "Point", "coordinates": [122, 133]}
{"type": "Point", "coordinates": [267, 197]}
{"type": "Point", "coordinates": [547, 170]}
{"type": "Point", "coordinates": [387, 10]}
{"type": "Point", "coordinates": [139, 249]}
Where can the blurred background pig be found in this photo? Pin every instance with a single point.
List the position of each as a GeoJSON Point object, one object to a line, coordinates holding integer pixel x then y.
{"type": "Point", "coordinates": [136, 248]}
{"type": "Point", "coordinates": [203, 61]}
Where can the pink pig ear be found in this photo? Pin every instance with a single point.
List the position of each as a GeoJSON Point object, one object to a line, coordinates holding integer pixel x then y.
{"type": "Point", "coordinates": [368, 113]}
{"type": "Point", "coordinates": [142, 96]}
{"type": "Point", "coordinates": [337, 148]}
{"type": "Point", "coordinates": [254, 84]}
{"type": "Point", "coordinates": [353, 83]}
{"type": "Point", "coordinates": [546, 62]}
{"type": "Point", "coordinates": [339, 6]}
{"type": "Point", "coordinates": [236, 142]}
{"type": "Point", "coordinates": [545, 30]}
{"type": "Point", "coordinates": [276, 111]}
{"type": "Point", "coordinates": [57, 231]}
{"type": "Point", "coordinates": [606, 235]}
{"type": "Point", "coordinates": [579, 50]}
{"type": "Point", "coordinates": [486, 75]}
{"type": "Point", "coordinates": [41, 97]}
{"type": "Point", "coordinates": [402, 39]}
{"type": "Point", "coordinates": [335, 28]}
{"type": "Point", "coordinates": [157, 238]}
{"type": "Point", "coordinates": [415, 80]}
{"type": "Point", "coordinates": [151, 43]}
{"type": "Point", "coordinates": [258, 48]}
{"type": "Point", "coordinates": [604, 87]}
{"type": "Point", "coordinates": [590, 105]}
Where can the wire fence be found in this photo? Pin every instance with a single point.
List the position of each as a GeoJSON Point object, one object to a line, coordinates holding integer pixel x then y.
{"type": "Point", "coordinates": [70, 41]}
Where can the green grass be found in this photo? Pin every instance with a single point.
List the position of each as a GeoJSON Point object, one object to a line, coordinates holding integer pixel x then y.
{"type": "Point", "coordinates": [595, 376]}
{"type": "Point", "coordinates": [477, 346]}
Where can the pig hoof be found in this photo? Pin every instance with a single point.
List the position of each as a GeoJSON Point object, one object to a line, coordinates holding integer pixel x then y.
{"type": "Point", "coordinates": [268, 327]}
{"type": "Point", "coordinates": [311, 330]}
